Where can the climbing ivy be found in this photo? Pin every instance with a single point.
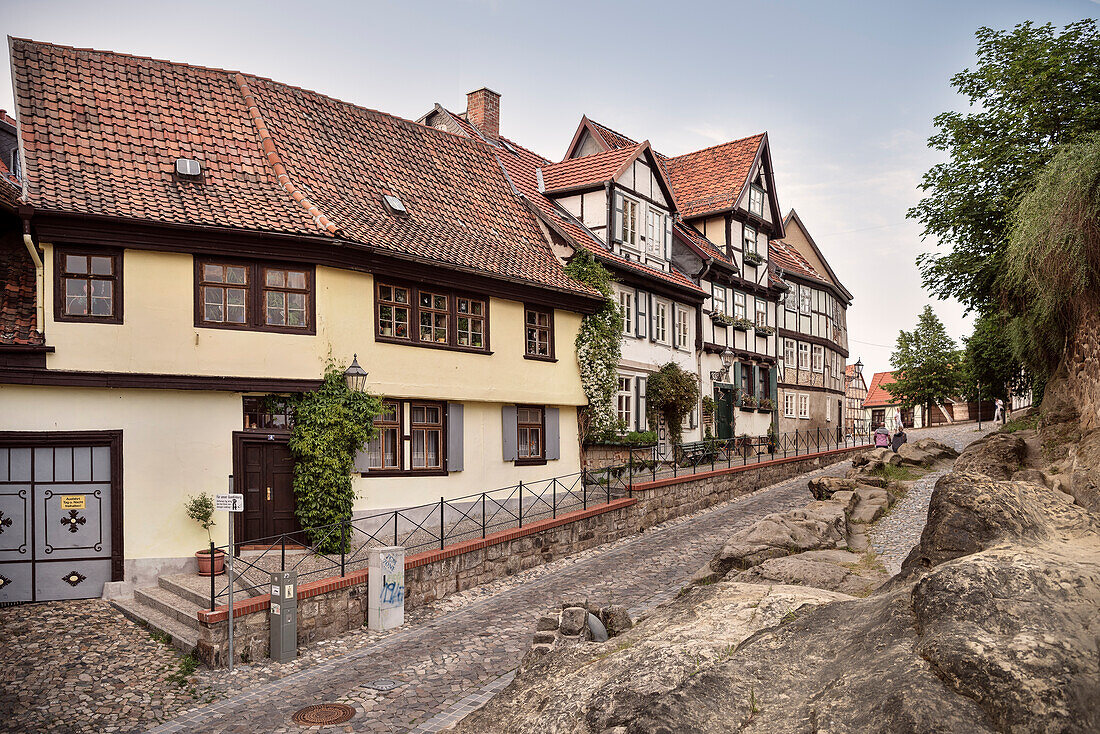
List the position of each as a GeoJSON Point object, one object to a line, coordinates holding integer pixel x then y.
{"type": "Point", "coordinates": [331, 425]}
{"type": "Point", "coordinates": [672, 392]}
{"type": "Point", "coordinates": [598, 349]}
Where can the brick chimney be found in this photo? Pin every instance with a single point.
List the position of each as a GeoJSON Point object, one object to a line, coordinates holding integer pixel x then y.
{"type": "Point", "coordinates": [483, 110]}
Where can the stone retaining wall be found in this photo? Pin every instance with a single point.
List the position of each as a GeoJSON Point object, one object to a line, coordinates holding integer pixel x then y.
{"type": "Point", "coordinates": [329, 607]}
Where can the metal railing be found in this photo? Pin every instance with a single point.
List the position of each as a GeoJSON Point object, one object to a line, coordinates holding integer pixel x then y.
{"type": "Point", "coordinates": [475, 516]}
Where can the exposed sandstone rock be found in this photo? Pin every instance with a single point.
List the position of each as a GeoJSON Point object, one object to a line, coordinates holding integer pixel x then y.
{"type": "Point", "coordinates": [823, 488]}
{"type": "Point", "coordinates": [832, 570]}
{"type": "Point", "coordinates": [937, 449]}
{"type": "Point", "coordinates": [816, 526]}
{"type": "Point", "coordinates": [913, 456]}
{"type": "Point", "coordinates": [998, 456]}
{"type": "Point", "coordinates": [1083, 473]}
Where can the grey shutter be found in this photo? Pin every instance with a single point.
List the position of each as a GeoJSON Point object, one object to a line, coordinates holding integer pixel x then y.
{"type": "Point", "coordinates": [553, 435]}
{"type": "Point", "coordinates": [756, 381]}
{"type": "Point", "coordinates": [640, 418]}
{"type": "Point", "coordinates": [668, 238]}
{"type": "Point", "coordinates": [641, 298]}
{"type": "Point", "coordinates": [454, 436]}
{"type": "Point", "coordinates": [509, 431]}
{"type": "Point", "coordinates": [652, 338]}
{"type": "Point", "coordinates": [617, 223]}
{"type": "Point", "coordinates": [735, 369]}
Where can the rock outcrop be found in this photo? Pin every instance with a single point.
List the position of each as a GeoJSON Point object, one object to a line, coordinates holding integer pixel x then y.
{"type": "Point", "coordinates": [991, 627]}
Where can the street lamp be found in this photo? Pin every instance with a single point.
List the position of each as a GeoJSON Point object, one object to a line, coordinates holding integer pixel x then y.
{"type": "Point", "coordinates": [356, 376]}
{"type": "Point", "coordinates": [727, 362]}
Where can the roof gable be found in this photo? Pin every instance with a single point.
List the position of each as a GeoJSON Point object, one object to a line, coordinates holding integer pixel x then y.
{"type": "Point", "coordinates": [592, 137]}
{"type": "Point", "coordinates": [798, 237]}
{"type": "Point", "coordinates": [575, 174]}
{"type": "Point", "coordinates": [713, 179]}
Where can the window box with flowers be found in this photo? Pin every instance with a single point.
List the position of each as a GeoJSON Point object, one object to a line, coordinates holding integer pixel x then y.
{"type": "Point", "coordinates": [748, 403]}
{"type": "Point", "coordinates": [754, 258]}
{"type": "Point", "coordinates": [766, 406]}
{"type": "Point", "coordinates": [765, 330]}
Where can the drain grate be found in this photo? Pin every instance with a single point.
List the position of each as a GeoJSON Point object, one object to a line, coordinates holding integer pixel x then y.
{"type": "Point", "coordinates": [385, 684]}
{"type": "Point", "coordinates": [323, 714]}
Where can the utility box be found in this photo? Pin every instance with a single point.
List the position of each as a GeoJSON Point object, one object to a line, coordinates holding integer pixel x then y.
{"type": "Point", "coordinates": [386, 588]}
{"type": "Point", "coordinates": [284, 616]}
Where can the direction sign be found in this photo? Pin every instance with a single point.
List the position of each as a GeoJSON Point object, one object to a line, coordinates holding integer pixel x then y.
{"type": "Point", "coordinates": [229, 502]}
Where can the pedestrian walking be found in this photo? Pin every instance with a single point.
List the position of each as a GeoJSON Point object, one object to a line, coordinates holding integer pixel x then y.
{"type": "Point", "coordinates": [898, 440]}
{"type": "Point", "coordinates": [882, 437]}
{"type": "Point", "coordinates": [999, 413]}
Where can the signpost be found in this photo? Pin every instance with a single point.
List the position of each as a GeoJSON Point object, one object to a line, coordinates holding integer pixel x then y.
{"type": "Point", "coordinates": [230, 503]}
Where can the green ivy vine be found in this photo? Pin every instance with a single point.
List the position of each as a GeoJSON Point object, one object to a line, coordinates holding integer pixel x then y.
{"type": "Point", "coordinates": [672, 392]}
{"type": "Point", "coordinates": [598, 348]}
{"type": "Point", "coordinates": [331, 425]}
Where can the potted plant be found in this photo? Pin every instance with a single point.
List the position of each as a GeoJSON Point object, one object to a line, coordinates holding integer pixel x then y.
{"type": "Point", "coordinates": [765, 330]}
{"type": "Point", "coordinates": [200, 508]}
{"type": "Point", "coordinates": [742, 324]}
{"type": "Point", "coordinates": [748, 402]}
{"type": "Point", "coordinates": [766, 405]}
{"type": "Point", "coordinates": [754, 258]}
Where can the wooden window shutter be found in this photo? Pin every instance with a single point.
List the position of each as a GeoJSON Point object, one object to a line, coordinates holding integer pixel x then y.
{"type": "Point", "coordinates": [755, 380]}
{"type": "Point", "coordinates": [454, 437]}
{"type": "Point", "coordinates": [553, 435]}
{"type": "Point", "coordinates": [617, 223]}
{"type": "Point", "coordinates": [668, 238]}
{"type": "Point", "coordinates": [652, 337]}
{"type": "Point", "coordinates": [735, 370]}
{"type": "Point", "coordinates": [641, 298]}
{"type": "Point", "coordinates": [772, 386]}
{"type": "Point", "coordinates": [640, 422]}
{"type": "Point", "coordinates": [509, 431]}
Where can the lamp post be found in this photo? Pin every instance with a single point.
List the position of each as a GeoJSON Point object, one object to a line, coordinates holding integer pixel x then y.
{"type": "Point", "coordinates": [727, 362]}
{"type": "Point", "coordinates": [356, 376]}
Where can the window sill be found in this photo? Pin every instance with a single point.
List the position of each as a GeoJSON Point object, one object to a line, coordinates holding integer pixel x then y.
{"type": "Point", "coordinates": [530, 462]}
{"type": "Point", "coordinates": [264, 329]}
{"type": "Point", "coordinates": [429, 345]}
{"type": "Point", "coordinates": [404, 473]}
{"type": "Point", "coordinates": [64, 318]}
{"type": "Point", "coordinates": [538, 358]}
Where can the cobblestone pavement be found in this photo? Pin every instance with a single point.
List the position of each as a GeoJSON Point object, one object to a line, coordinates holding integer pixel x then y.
{"type": "Point", "coordinates": [105, 674]}
{"type": "Point", "coordinates": [894, 535]}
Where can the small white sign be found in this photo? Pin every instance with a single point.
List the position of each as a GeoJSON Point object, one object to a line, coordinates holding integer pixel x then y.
{"type": "Point", "coordinates": [275, 609]}
{"type": "Point", "coordinates": [288, 592]}
{"type": "Point", "coordinates": [229, 502]}
{"type": "Point", "coordinates": [275, 589]}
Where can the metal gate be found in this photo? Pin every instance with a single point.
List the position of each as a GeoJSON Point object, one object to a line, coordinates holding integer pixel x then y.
{"type": "Point", "coordinates": [56, 516]}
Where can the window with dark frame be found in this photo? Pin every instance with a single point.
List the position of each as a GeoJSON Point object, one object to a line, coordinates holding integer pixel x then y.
{"type": "Point", "coordinates": [255, 296]}
{"type": "Point", "coordinates": [267, 413]}
{"type": "Point", "coordinates": [530, 439]}
{"type": "Point", "coordinates": [539, 332]}
{"type": "Point", "coordinates": [426, 435]}
{"type": "Point", "coordinates": [746, 378]}
{"type": "Point", "coordinates": [88, 285]}
{"type": "Point", "coordinates": [384, 451]}
{"type": "Point", "coordinates": [431, 316]}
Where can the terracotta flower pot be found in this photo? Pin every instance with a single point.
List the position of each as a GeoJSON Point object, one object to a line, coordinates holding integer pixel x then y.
{"type": "Point", "coordinates": [203, 557]}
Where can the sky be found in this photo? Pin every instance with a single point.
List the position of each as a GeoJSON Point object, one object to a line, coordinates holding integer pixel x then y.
{"type": "Point", "coordinates": [846, 90]}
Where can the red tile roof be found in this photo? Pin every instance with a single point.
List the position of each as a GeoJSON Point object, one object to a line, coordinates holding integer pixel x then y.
{"type": "Point", "coordinates": [877, 397]}
{"type": "Point", "coordinates": [7, 119]}
{"type": "Point", "coordinates": [17, 309]}
{"type": "Point", "coordinates": [102, 131]}
{"type": "Point", "coordinates": [787, 257]}
{"type": "Point", "coordinates": [712, 179]}
{"type": "Point", "coordinates": [611, 138]}
{"type": "Point", "coordinates": [576, 173]}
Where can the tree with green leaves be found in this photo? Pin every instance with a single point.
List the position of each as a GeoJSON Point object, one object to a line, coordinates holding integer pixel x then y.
{"type": "Point", "coordinates": [1033, 88]}
{"type": "Point", "coordinates": [672, 393]}
{"type": "Point", "coordinates": [331, 425]}
{"type": "Point", "coordinates": [926, 364]}
{"type": "Point", "coordinates": [988, 360]}
{"type": "Point", "coordinates": [599, 344]}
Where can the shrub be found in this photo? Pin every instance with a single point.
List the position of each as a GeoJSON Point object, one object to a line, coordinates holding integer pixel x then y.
{"type": "Point", "coordinates": [673, 393]}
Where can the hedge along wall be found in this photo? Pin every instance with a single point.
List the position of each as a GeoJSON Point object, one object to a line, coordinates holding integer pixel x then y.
{"type": "Point", "coordinates": [329, 607]}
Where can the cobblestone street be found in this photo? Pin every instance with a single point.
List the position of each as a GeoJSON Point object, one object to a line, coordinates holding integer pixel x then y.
{"type": "Point", "coordinates": [80, 666]}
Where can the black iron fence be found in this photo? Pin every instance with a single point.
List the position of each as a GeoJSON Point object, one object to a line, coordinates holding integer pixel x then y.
{"type": "Point", "coordinates": [451, 521]}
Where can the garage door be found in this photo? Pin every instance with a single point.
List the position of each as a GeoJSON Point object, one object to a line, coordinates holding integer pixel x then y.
{"type": "Point", "coordinates": [58, 502]}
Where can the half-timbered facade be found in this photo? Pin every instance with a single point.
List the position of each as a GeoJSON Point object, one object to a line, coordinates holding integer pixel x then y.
{"type": "Point", "coordinates": [206, 239]}
{"type": "Point", "coordinates": [813, 334]}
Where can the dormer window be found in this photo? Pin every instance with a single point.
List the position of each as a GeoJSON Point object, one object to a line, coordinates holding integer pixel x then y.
{"type": "Point", "coordinates": [756, 200]}
{"type": "Point", "coordinates": [629, 229]}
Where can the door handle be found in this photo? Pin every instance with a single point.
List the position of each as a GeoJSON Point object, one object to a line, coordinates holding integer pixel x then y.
{"type": "Point", "coordinates": [269, 494]}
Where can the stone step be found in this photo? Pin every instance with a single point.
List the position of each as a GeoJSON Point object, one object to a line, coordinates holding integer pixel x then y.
{"type": "Point", "coordinates": [179, 608]}
{"type": "Point", "coordinates": [182, 637]}
{"type": "Point", "coordinates": [196, 589]}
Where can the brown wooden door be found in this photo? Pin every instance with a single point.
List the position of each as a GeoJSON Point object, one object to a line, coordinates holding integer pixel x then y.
{"type": "Point", "coordinates": [266, 470]}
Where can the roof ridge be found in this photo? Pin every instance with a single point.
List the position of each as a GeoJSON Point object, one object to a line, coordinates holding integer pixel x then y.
{"type": "Point", "coordinates": [610, 130]}
{"type": "Point", "coordinates": [718, 145]}
{"type": "Point", "coordinates": [272, 155]}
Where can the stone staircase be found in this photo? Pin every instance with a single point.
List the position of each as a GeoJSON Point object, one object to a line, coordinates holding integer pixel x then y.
{"type": "Point", "coordinates": [172, 606]}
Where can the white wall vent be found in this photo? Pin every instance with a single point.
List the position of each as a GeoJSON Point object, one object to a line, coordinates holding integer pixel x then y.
{"type": "Point", "coordinates": [188, 167]}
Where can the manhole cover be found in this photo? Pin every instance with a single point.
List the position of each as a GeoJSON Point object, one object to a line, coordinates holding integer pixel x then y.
{"type": "Point", "coordinates": [383, 685]}
{"type": "Point", "coordinates": [323, 714]}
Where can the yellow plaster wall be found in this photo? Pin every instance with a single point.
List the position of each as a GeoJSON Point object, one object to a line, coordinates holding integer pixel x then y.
{"type": "Point", "coordinates": [159, 336]}
{"type": "Point", "coordinates": [179, 442]}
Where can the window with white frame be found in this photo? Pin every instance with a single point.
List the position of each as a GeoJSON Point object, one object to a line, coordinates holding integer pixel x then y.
{"type": "Point", "coordinates": [681, 328]}
{"type": "Point", "coordinates": [788, 405]}
{"type": "Point", "coordinates": [805, 299]}
{"type": "Point", "coordinates": [718, 298]}
{"type": "Point", "coordinates": [655, 233]}
{"type": "Point", "coordinates": [790, 300]}
{"type": "Point", "coordinates": [624, 401]}
{"type": "Point", "coordinates": [756, 200]}
{"type": "Point", "coordinates": [803, 405]}
{"type": "Point", "coordinates": [738, 305]}
{"type": "Point", "coordinates": [789, 352]}
{"type": "Point", "coordinates": [761, 312]}
{"type": "Point", "coordinates": [819, 358]}
{"type": "Point", "coordinates": [750, 239]}
{"type": "Point", "coordinates": [803, 356]}
{"type": "Point", "coordinates": [626, 305]}
{"type": "Point", "coordinates": [660, 322]}
{"type": "Point", "coordinates": [629, 232]}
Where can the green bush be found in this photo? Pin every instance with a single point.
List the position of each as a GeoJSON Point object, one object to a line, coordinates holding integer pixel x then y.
{"type": "Point", "coordinates": [672, 392]}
